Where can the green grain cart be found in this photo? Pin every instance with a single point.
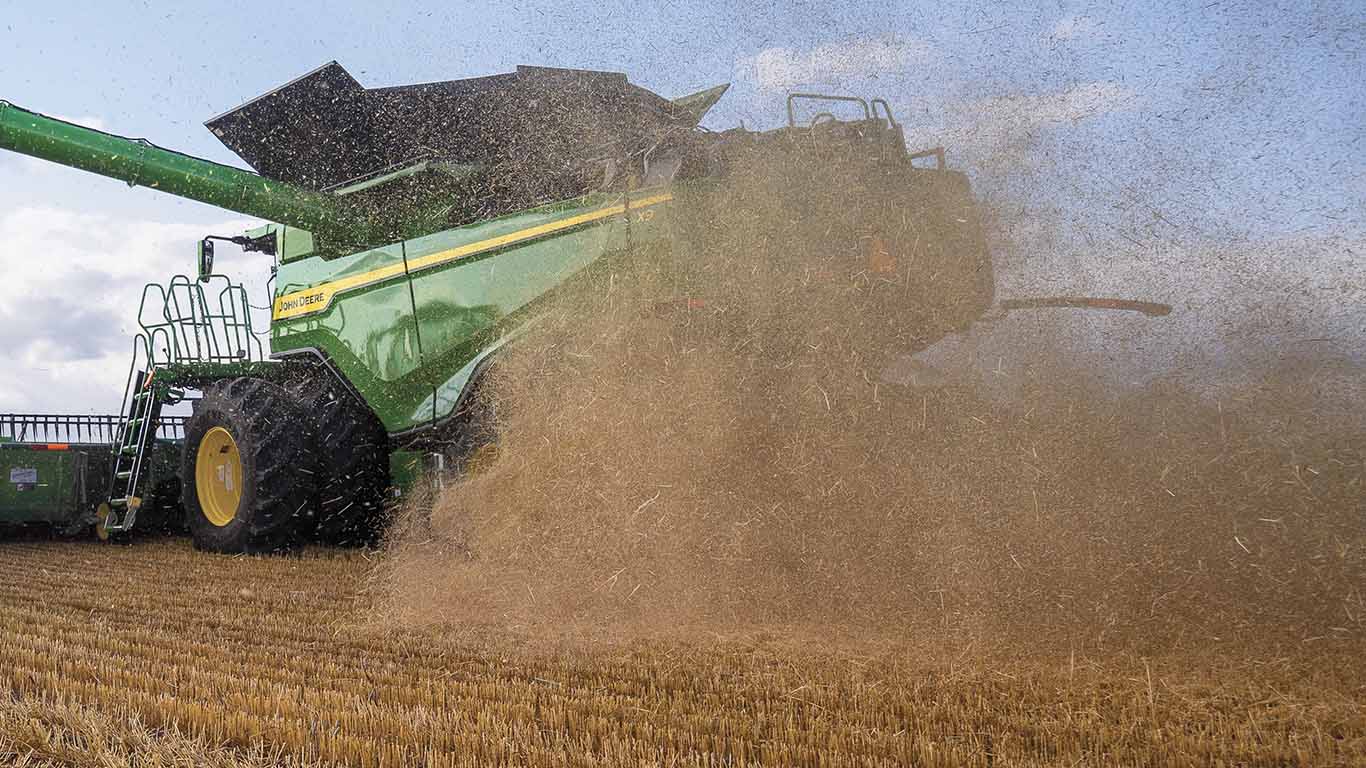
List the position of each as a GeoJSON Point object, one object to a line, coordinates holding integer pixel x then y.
{"type": "Point", "coordinates": [417, 229]}
{"type": "Point", "coordinates": [57, 468]}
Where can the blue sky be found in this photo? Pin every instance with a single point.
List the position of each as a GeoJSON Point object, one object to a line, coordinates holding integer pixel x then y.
{"type": "Point", "coordinates": [1268, 97]}
{"type": "Point", "coordinates": [1130, 128]}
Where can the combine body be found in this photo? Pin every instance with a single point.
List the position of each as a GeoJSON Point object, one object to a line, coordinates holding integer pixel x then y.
{"type": "Point", "coordinates": [417, 229]}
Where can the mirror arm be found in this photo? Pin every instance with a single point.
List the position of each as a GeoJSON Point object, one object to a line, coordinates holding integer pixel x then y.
{"type": "Point", "coordinates": [262, 244]}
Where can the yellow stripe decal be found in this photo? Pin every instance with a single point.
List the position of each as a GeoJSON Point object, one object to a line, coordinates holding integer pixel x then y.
{"type": "Point", "coordinates": [319, 297]}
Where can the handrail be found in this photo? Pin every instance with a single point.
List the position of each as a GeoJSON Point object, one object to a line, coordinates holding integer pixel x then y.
{"type": "Point", "coordinates": [935, 152]}
{"type": "Point", "coordinates": [792, 97]}
{"type": "Point", "coordinates": [195, 329]}
{"type": "Point", "coordinates": [887, 108]}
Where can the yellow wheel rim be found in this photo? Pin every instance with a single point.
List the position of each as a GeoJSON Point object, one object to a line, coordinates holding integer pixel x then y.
{"type": "Point", "coordinates": [218, 476]}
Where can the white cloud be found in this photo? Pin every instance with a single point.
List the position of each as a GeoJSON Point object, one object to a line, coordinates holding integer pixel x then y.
{"type": "Point", "coordinates": [69, 299]}
{"type": "Point", "coordinates": [780, 68]}
{"type": "Point", "coordinates": [1074, 26]}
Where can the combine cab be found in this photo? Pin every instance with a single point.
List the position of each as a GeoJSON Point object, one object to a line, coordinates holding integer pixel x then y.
{"type": "Point", "coordinates": [417, 229]}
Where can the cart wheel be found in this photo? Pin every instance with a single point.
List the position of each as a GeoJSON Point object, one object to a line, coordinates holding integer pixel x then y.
{"type": "Point", "coordinates": [101, 516]}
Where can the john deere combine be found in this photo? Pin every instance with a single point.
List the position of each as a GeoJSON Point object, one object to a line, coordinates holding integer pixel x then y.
{"type": "Point", "coordinates": [417, 228]}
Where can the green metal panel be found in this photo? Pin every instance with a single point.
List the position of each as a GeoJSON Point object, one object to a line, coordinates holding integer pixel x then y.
{"type": "Point", "coordinates": [647, 227]}
{"type": "Point", "coordinates": [466, 306]}
{"type": "Point", "coordinates": [370, 333]}
{"type": "Point", "coordinates": [472, 286]}
{"type": "Point", "coordinates": [38, 486]}
{"type": "Point", "coordinates": [63, 484]}
{"type": "Point", "coordinates": [406, 469]}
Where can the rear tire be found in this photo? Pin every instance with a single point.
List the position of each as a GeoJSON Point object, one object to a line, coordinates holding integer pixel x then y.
{"type": "Point", "coordinates": [352, 450]}
{"type": "Point", "coordinates": [247, 473]}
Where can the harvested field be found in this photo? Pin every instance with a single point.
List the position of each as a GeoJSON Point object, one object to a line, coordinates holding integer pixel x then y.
{"type": "Point", "coordinates": [155, 654]}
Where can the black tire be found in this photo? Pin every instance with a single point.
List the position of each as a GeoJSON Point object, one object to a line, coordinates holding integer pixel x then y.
{"type": "Point", "coordinates": [474, 429]}
{"type": "Point", "coordinates": [161, 511]}
{"type": "Point", "coordinates": [273, 441]}
{"type": "Point", "coordinates": [351, 447]}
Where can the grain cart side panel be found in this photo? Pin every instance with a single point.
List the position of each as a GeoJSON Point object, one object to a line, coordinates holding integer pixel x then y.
{"type": "Point", "coordinates": [38, 484]}
{"type": "Point", "coordinates": [55, 469]}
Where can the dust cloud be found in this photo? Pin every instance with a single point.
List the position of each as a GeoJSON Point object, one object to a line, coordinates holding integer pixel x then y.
{"type": "Point", "coordinates": [756, 431]}
{"type": "Point", "coordinates": [734, 462]}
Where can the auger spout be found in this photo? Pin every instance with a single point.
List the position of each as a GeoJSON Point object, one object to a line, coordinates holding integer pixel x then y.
{"type": "Point", "coordinates": [141, 163]}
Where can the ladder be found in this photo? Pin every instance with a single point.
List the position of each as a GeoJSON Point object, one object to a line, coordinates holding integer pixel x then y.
{"type": "Point", "coordinates": [137, 430]}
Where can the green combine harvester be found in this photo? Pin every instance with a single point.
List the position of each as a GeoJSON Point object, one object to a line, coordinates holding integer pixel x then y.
{"type": "Point", "coordinates": [416, 230]}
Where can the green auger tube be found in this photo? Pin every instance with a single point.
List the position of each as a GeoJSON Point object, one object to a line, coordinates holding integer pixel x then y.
{"type": "Point", "coordinates": [141, 163]}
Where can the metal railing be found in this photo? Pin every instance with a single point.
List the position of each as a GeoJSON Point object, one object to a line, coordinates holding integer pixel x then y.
{"type": "Point", "coordinates": [39, 428]}
{"type": "Point", "coordinates": [194, 321]}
